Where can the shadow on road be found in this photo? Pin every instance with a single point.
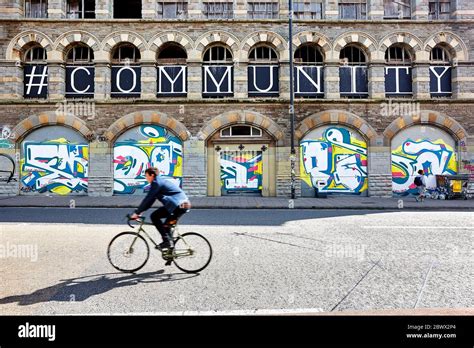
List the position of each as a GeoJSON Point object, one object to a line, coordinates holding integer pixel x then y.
{"type": "Point", "coordinates": [82, 288]}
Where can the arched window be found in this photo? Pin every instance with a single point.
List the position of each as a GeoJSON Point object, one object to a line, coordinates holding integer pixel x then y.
{"type": "Point", "coordinates": [309, 72]}
{"type": "Point", "coordinates": [125, 54]}
{"type": "Point", "coordinates": [171, 59]}
{"type": "Point", "coordinates": [352, 55]}
{"type": "Point", "coordinates": [309, 55]}
{"type": "Point", "coordinates": [80, 72]}
{"type": "Point", "coordinates": [217, 55]}
{"type": "Point", "coordinates": [35, 73]}
{"type": "Point", "coordinates": [263, 72]}
{"type": "Point", "coordinates": [398, 55]}
{"type": "Point", "coordinates": [35, 54]}
{"type": "Point", "coordinates": [440, 72]}
{"type": "Point", "coordinates": [241, 131]}
{"type": "Point", "coordinates": [353, 80]}
{"type": "Point", "coordinates": [80, 54]}
{"type": "Point", "coordinates": [126, 71]}
{"type": "Point", "coordinates": [218, 72]}
{"type": "Point", "coordinates": [398, 71]}
{"type": "Point", "coordinates": [263, 54]}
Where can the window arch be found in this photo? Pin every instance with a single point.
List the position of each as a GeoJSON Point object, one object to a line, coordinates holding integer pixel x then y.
{"type": "Point", "coordinates": [398, 71]}
{"type": "Point", "coordinates": [240, 130]}
{"type": "Point", "coordinates": [218, 72]}
{"type": "Point", "coordinates": [171, 59]}
{"type": "Point", "coordinates": [309, 71]}
{"type": "Point", "coordinates": [440, 72]}
{"type": "Point", "coordinates": [353, 80]}
{"type": "Point", "coordinates": [126, 53]}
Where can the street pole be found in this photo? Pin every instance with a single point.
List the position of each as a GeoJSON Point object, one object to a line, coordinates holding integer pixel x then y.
{"type": "Point", "coordinates": [292, 101]}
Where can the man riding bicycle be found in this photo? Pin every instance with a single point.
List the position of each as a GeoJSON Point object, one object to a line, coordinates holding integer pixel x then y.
{"type": "Point", "coordinates": [175, 204]}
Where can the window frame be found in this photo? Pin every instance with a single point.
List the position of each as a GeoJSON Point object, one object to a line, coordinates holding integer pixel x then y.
{"type": "Point", "coordinates": [228, 58]}
{"type": "Point", "coordinates": [251, 135]}
{"type": "Point", "coordinates": [180, 5]}
{"type": "Point", "coordinates": [408, 5]}
{"type": "Point", "coordinates": [297, 14]}
{"type": "Point", "coordinates": [82, 10]}
{"type": "Point", "coordinates": [27, 10]}
{"type": "Point", "coordinates": [119, 61]}
{"type": "Point", "coordinates": [90, 55]}
{"type": "Point", "coordinates": [32, 60]}
{"type": "Point", "coordinates": [226, 13]}
{"type": "Point", "coordinates": [271, 10]}
{"type": "Point", "coordinates": [360, 6]}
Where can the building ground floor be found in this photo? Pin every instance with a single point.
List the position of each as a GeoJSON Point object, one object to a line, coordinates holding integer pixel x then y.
{"type": "Point", "coordinates": [232, 149]}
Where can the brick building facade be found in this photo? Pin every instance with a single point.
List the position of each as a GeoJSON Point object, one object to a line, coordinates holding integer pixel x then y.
{"type": "Point", "coordinates": [377, 97]}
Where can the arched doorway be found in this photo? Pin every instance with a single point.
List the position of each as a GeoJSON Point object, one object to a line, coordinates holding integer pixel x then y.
{"type": "Point", "coordinates": [241, 160]}
{"type": "Point", "coordinates": [142, 147]}
{"type": "Point", "coordinates": [54, 159]}
{"type": "Point", "coordinates": [421, 147]}
{"type": "Point", "coordinates": [334, 160]}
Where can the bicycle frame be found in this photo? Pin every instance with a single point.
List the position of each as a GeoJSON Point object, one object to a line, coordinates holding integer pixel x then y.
{"type": "Point", "coordinates": [174, 230]}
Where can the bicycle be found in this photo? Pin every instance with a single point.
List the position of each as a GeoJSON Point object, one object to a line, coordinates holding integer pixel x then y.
{"type": "Point", "coordinates": [132, 246]}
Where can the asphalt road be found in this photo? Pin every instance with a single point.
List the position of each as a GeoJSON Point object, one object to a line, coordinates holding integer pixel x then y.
{"type": "Point", "coordinates": [268, 260]}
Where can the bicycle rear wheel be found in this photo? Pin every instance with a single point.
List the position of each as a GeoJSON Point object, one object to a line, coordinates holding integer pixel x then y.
{"type": "Point", "coordinates": [128, 252]}
{"type": "Point", "coordinates": [192, 252]}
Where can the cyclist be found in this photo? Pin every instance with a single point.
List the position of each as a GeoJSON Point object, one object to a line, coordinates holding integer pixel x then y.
{"type": "Point", "coordinates": [174, 200]}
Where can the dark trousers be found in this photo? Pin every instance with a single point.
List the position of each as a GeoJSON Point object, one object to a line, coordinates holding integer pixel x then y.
{"type": "Point", "coordinates": [162, 213]}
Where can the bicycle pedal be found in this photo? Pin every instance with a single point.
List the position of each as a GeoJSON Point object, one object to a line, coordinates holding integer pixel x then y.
{"type": "Point", "coordinates": [168, 263]}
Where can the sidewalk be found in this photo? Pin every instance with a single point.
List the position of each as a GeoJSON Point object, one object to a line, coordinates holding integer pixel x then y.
{"type": "Point", "coordinates": [332, 202]}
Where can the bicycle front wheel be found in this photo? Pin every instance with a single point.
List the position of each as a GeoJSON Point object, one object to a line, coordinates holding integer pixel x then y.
{"type": "Point", "coordinates": [128, 252]}
{"type": "Point", "coordinates": [192, 252]}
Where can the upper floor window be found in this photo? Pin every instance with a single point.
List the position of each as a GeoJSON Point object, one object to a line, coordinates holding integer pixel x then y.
{"type": "Point", "coordinates": [218, 10]}
{"type": "Point", "coordinates": [263, 54]}
{"type": "Point", "coordinates": [126, 54]}
{"type": "Point", "coordinates": [262, 10]}
{"type": "Point", "coordinates": [80, 54]}
{"type": "Point", "coordinates": [308, 9]}
{"type": "Point", "coordinates": [352, 9]}
{"type": "Point", "coordinates": [398, 55]}
{"type": "Point", "coordinates": [400, 9]}
{"type": "Point", "coordinates": [80, 9]}
{"type": "Point", "coordinates": [35, 54]}
{"type": "Point", "coordinates": [217, 55]}
{"type": "Point", "coordinates": [308, 54]}
{"type": "Point", "coordinates": [241, 131]}
{"type": "Point", "coordinates": [352, 55]}
{"type": "Point", "coordinates": [127, 9]}
{"type": "Point", "coordinates": [439, 9]}
{"type": "Point", "coordinates": [36, 8]}
{"type": "Point", "coordinates": [172, 9]}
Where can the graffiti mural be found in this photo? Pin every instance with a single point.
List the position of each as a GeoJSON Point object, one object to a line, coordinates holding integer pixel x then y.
{"type": "Point", "coordinates": [433, 156]}
{"type": "Point", "coordinates": [241, 171]}
{"type": "Point", "coordinates": [56, 166]}
{"type": "Point", "coordinates": [143, 147]}
{"type": "Point", "coordinates": [335, 157]}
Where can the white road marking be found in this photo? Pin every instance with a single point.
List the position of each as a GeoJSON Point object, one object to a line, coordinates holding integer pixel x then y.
{"type": "Point", "coordinates": [224, 312]}
{"type": "Point", "coordinates": [422, 227]}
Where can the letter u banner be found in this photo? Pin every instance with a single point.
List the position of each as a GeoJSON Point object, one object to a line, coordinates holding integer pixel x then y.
{"type": "Point", "coordinates": [126, 81]}
{"type": "Point", "coordinates": [263, 81]}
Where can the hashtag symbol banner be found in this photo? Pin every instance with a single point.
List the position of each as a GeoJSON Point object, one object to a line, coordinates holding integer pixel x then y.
{"type": "Point", "coordinates": [35, 81]}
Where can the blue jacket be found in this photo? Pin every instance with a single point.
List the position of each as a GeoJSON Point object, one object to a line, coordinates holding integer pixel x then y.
{"type": "Point", "coordinates": [166, 191]}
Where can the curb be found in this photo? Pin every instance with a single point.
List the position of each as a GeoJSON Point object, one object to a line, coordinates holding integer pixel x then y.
{"type": "Point", "coordinates": [253, 207]}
